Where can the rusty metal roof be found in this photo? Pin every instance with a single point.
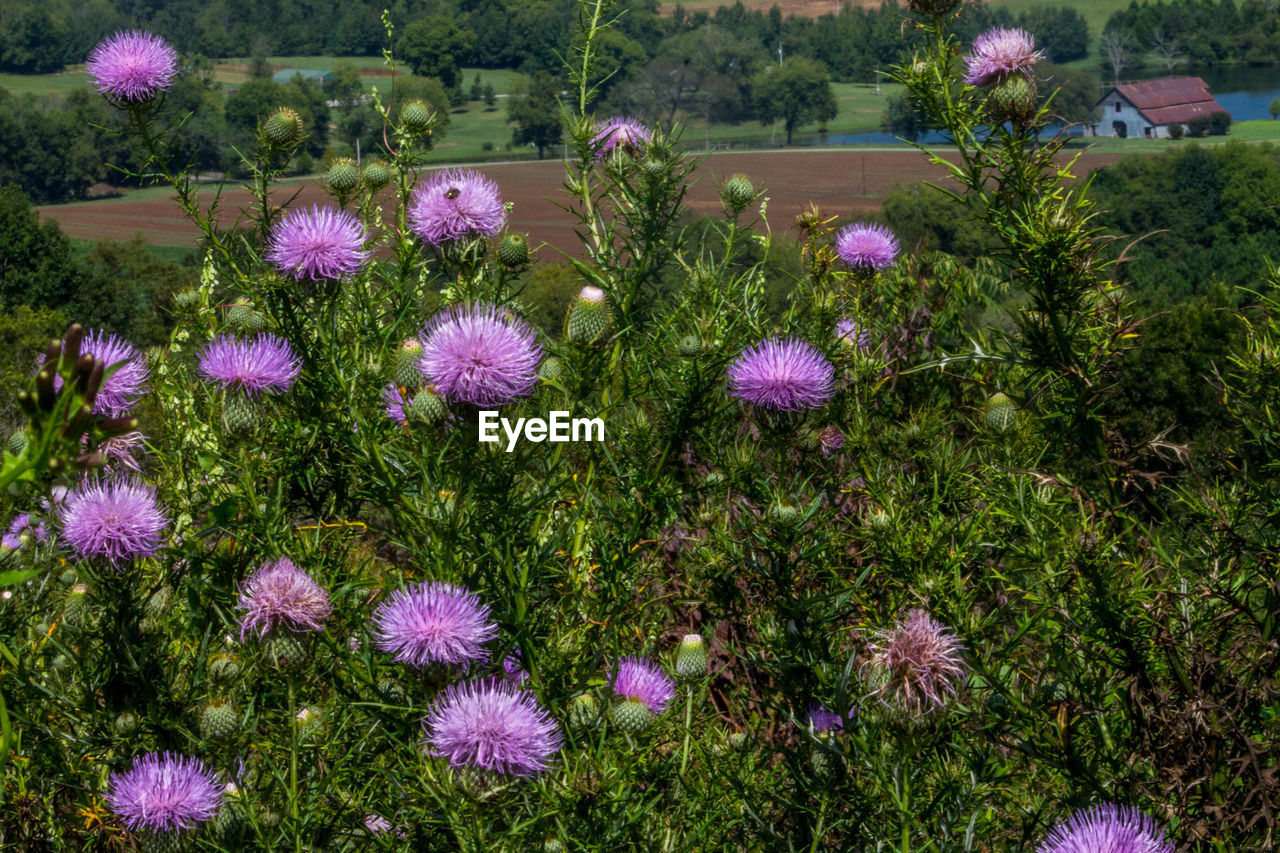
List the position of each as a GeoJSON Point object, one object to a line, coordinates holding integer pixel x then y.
{"type": "Point", "coordinates": [1168, 100]}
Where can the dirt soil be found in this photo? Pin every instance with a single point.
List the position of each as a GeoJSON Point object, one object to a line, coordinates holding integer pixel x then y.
{"type": "Point", "coordinates": [843, 183]}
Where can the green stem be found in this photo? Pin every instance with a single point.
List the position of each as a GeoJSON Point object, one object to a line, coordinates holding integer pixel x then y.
{"type": "Point", "coordinates": [688, 727]}
{"type": "Point", "coordinates": [293, 766]}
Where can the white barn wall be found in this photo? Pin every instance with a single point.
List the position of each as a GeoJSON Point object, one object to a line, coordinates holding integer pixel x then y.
{"type": "Point", "coordinates": [1135, 123]}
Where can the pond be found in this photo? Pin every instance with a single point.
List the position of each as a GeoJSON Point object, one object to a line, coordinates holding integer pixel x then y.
{"type": "Point", "coordinates": [1245, 92]}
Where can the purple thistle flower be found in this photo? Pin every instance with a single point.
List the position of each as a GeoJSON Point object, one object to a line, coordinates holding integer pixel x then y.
{"type": "Point", "coordinates": [479, 354]}
{"type": "Point", "coordinates": [492, 725]}
{"type": "Point", "coordinates": [456, 204]}
{"type": "Point", "coordinates": [22, 523]}
{"type": "Point", "coordinates": [433, 622]}
{"type": "Point", "coordinates": [783, 374]}
{"type": "Point", "coordinates": [619, 134]}
{"type": "Point", "coordinates": [830, 440]}
{"type": "Point", "coordinates": [1107, 828]}
{"type": "Point", "coordinates": [318, 244]}
{"type": "Point", "coordinates": [379, 825]}
{"type": "Point", "coordinates": [393, 403]}
{"type": "Point", "coordinates": [164, 792]}
{"type": "Point", "coordinates": [851, 333]}
{"type": "Point", "coordinates": [263, 363]}
{"type": "Point", "coordinates": [639, 680]}
{"type": "Point", "coordinates": [513, 668]}
{"type": "Point", "coordinates": [867, 246]}
{"type": "Point", "coordinates": [118, 450]}
{"type": "Point", "coordinates": [917, 663]}
{"type": "Point", "coordinates": [122, 389]}
{"type": "Point", "coordinates": [132, 66]}
{"type": "Point", "coordinates": [116, 520]}
{"type": "Point", "coordinates": [1000, 53]}
{"type": "Point", "coordinates": [818, 718]}
{"type": "Point", "coordinates": [280, 595]}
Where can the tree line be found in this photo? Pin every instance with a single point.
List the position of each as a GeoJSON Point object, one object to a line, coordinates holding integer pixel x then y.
{"type": "Point", "coordinates": [1191, 32]}
{"type": "Point", "coordinates": [42, 37]}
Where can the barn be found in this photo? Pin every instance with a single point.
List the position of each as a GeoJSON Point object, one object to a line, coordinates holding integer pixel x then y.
{"type": "Point", "coordinates": [1148, 108]}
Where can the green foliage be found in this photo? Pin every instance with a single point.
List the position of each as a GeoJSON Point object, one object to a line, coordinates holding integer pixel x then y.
{"type": "Point", "coordinates": [536, 113]}
{"type": "Point", "coordinates": [1203, 215]}
{"type": "Point", "coordinates": [36, 267]}
{"type": "Point", "coordinates": [435, 47]}
{"type": "Point", "coordinates": [257, 99]}
{"type": "Point", "coordinates": [904, 119]}
{"type": "Point", "coordinates": [24, 331]}
{"type": "Point", "coordinates": [1220, 32]}
{"type": "Point", "coordinates": [797, 93]}
{"type": "Point", "coordinates": [1106, 607]}
{"type": "Point", "coordinates": [925, 218]}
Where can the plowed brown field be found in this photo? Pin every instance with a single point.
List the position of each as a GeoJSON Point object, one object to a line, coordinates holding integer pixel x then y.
{"type": "Point", "coordinates": [839, 182]}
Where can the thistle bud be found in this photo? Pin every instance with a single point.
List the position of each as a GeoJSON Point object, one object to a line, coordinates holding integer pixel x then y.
{"type": "Point", "coordinates": [164, 842]}
{"type": "Point", "coordinates": [241, 315]}
{"type": "Point", "coordinates": [589, 317]}
{"type": "Point", "coordinates": [784, 513]}
{"type": "Point", "coordinates": [218, 720]}
{"type": "Point", "coordinates": [73, 611]}
{"type": "Point", "coordinates": [824, 757]}
{"type": "Point", "coordinates": [584, 711]}
{"type": "Point", "coordinates": [284, 128]}
{"type": "Point", "coordinates": [240, 413]}
{"type": "Point", "coordinates": [126, 723]}
{"type": "Point", "coordinates": [1012, 99]}
{"type": "Point", "coordinates": [344, 175]}
{"type": "Point", "coordinates": [376, 175]}
{"type": "Point", "coordinates": [187, 299]}
{"type": "Point", "coordinates": [932, 8]}
{"type": "Point", "coordinates": [416, 116]}
{"type": "Point", "coordinates": [513, 251]}
{"type": "Point", "coordinates": [406, 368]}
{"type": "Point", "coordinates": [392, 692]}
{"type": "Point", "coordinates": [689, 346]}
{"type": "Point", "coordinates": [1000, 412]}
{"type": "Point", "coordinates": [691, 659]}
{"type": "Point", "coordinates": [285, 651]}
{"type": "Point", "coordinates": [551, 369]}
{"type": "Point", "coordinates": [631, 715]}
{"type": "Point", "coordinates": [737, 192]}
{"type": "Point", "coordinates": [426, 407]}
{"type": "Point", "coordinates": [18, 443]}
{"type": "Point", "coordinates": [223, 669]}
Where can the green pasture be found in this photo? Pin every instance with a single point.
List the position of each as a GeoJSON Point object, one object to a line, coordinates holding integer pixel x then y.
{"type": "Point", "coordinates": [1260, 130]}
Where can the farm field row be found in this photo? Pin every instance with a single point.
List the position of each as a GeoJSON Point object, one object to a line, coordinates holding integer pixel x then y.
{"type": "Point", "coordinates": [841, 182]}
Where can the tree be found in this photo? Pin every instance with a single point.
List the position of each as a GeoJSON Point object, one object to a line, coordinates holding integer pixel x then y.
{"type": "Point", "coordinates": [536, 113]}
{"type": "Point", "coordinates": [36, 265]}
{"type": "Point", "coordinates": [902, 117]}
{"type": "Point", "coordinates": [345, 86]}
{"type": "Point", "coordinates": [1074, 92]}
{"type": "Point", "coordinates": [709, 66]}
{"type": "Point", "coordinates": [797, 93]}
{"type": "Point", "coordinates": [1274, 109]}
{"type": "Point", "coordinates": [490, 97]}
{"type": "Point", "coordinates": [259, 51]}
{"type": "Point", "coordinates": [257, 99]}
{"type": "Point", "coordinates": [1168, 50]}
{"type": "Point", "coordinates": [1117, 51]}
{"type": "Point", "coordinates": [436, 47]}
{"type": "Point", "coordinates": [1060, 31]}
{"type": "Point", "coordinates": [616, 58]}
